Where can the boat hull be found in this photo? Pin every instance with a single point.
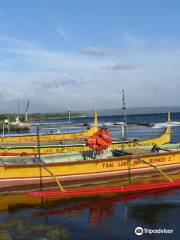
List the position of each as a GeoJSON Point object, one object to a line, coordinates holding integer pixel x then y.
{"type": "Point", "coordinates": [84, 171]}
{"type": "Point", "coordinates": [47, 137]}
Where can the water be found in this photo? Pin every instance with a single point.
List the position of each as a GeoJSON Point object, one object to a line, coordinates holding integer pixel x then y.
{"type": "Point", "coordinates": [111, 218]}
{"type": "Point", "coordinates": [134, 131]}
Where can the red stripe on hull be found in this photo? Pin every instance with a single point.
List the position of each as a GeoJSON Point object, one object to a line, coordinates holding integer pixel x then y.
{"type": "Point", "coordinates": [104, 190]}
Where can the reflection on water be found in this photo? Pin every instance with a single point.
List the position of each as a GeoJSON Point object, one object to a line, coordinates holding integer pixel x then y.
{"type": "Point", "coordinates": [107, 217]}
{"type": "Point", "coordinates": [153, 211]}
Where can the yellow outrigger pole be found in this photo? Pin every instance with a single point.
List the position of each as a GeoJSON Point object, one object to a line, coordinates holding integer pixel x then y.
{"type": "Point", "coordinates": [42, 164]}
{"type": "Point", "coordinates": [156, 168]}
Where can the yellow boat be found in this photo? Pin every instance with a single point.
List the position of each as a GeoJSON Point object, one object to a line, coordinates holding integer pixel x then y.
{"type": "Point", "coordinates": [81, 168]}
{"type": "Point", "coordinates": [59, 147]}
{"type": "Point", "coordinates": [50, 137]}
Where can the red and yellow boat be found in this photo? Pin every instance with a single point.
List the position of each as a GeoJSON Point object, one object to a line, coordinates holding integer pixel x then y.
{"type": "Point", "coordinates": [81, 168]}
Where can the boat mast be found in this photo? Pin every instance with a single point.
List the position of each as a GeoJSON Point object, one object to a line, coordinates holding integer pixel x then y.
{"type": "Point", "coordinates": [26, 116]}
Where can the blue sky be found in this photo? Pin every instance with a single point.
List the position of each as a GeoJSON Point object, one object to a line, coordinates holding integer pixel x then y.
{"type": "Point", "coordinates": [80, 54]}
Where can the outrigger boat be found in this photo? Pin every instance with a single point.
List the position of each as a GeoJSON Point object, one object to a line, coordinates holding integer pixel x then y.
{"type": "Point", "coordinates": [70, 169]}
{"type": "Point", "coordinates": [31, 138]}
{"type": "Point", "coordinates": [101, 163]}
{"type": "Point", "coordinates": [55, 147]}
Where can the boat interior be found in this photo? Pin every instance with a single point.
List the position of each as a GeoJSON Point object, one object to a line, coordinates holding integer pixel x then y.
{"type": "Point", "coordinates": [88, 155]}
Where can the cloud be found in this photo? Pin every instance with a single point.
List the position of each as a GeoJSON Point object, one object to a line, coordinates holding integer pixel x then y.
{"type": "Point", "coordinates": [16, 42]}
{"type": "Point", "coordinates": [33, 54]}
{"type": "Point", "coordinates": [97, 51]}
{"type": "Point", "coordinates": [63, 34]}
{"type": "Point", "coordinates": [7, 94]}
{"type": "Point", "coordinates": [56, 76]}
{"type": "Point", "coordinates": [57, 82]}
{"type": "Point", "coordinates": [130, 42]}
{"type": "Point", "coordinates": [120, 66]}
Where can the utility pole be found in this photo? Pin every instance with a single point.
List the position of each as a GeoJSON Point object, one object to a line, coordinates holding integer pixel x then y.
{"type": "Point", "coordinates": [124, 105]}
{"type": "Point", "coordinates": [69, 115]}
{"type": "Point", "coordinates": [124, 125]}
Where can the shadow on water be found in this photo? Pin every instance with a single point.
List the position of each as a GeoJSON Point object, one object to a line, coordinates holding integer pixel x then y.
{"type": "Point", "coordinates": [149, 213]}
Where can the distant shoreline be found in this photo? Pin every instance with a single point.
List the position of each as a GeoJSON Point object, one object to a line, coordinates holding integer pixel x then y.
{"type": "Point", "coordinates": [39, 116]}
{"type": "Point", "coordinates": [90, 113]}
{"type": "Point", "coordinates": [134, 111]}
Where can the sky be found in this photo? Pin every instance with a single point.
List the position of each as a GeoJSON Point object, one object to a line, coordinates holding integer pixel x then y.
{"type": "Point", "coordinates": [66, 54]}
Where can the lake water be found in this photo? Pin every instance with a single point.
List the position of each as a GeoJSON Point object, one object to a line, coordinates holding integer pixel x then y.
{"type": "Point", "coordinates": [106, 218]}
